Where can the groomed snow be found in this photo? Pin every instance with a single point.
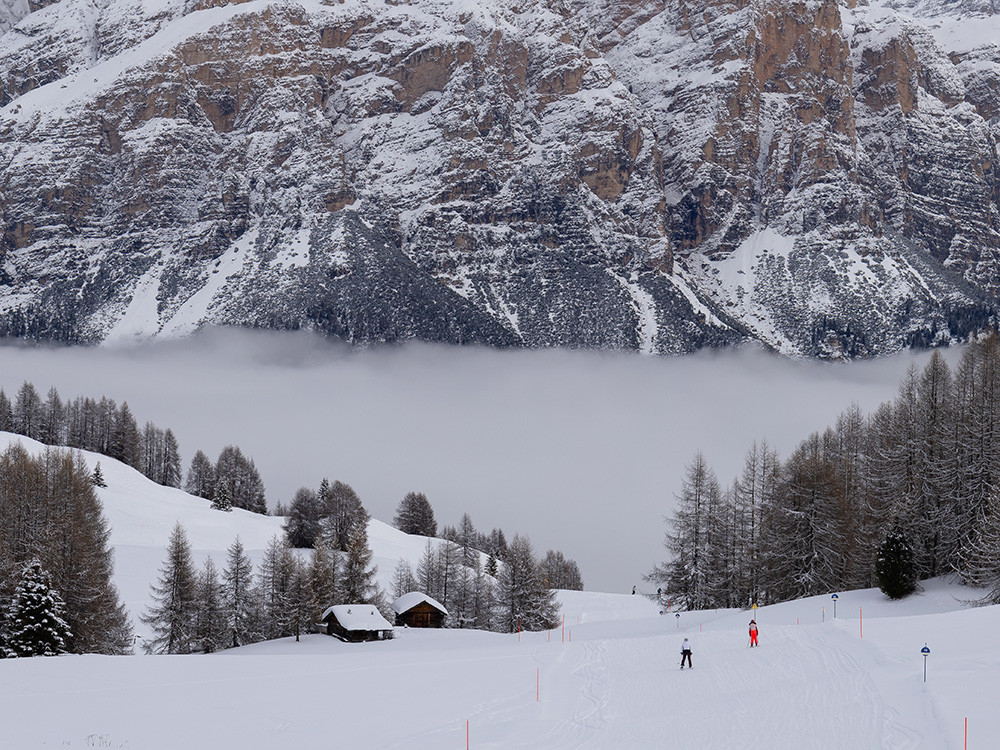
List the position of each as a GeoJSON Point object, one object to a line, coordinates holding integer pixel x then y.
{"type": "Point", "coordinates": [607, 677]}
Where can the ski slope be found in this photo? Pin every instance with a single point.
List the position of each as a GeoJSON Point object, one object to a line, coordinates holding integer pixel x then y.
{"type": "Point", "coordinates": [608, 678]}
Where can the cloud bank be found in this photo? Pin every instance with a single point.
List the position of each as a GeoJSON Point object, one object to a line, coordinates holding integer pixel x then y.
{"type": "Point", "coordinates": [581, 451]}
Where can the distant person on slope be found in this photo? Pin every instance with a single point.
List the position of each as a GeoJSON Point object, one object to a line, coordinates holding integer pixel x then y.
{"type": "Point", "coordinates": [753, 633]}
{"type": "Point", "coordinates": [686, 654]}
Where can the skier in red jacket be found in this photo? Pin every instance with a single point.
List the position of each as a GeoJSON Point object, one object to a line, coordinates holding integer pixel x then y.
{"type": "Point", "coordinates": [753, 633]}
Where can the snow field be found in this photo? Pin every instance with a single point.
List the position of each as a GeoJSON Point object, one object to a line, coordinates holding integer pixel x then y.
{"type": "Point", "coordinates": [616, 684]}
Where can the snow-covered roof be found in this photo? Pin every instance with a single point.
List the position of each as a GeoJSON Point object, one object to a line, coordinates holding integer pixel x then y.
{"type": "Point", "coordinates": [358, 617]}
{"type": "Point", "coordinates": [409, 601]}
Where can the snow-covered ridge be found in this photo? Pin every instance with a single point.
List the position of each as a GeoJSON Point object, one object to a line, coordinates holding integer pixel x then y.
{"type": "Point", "coordinates": [515, 174]}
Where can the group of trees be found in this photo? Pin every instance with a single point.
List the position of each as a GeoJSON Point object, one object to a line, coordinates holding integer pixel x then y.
{"type": "Point", "coordinates": [482, 581]}
{"type": "Point", "coordinates": [102, 426]}
{"type": "Point", "coordinates": [231, 482]}
{"type": "Point", "coordinates": [909, 492]}
{"type": "Point", "coordinates": [54, 547]}
{"type": "Point", "coordinates": [99, 426]}
{"type": "Point", "coordinates": [201, 611]}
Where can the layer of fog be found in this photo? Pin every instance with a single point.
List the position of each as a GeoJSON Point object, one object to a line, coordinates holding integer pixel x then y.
{"type": "Point", "coordinates": [583, 452]}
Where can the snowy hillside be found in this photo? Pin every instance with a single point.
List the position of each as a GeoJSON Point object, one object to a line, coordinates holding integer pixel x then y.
{"type": "Point", "coordinates": [608, 678]}
{"type": "Point", "coordinates": [142, 514]}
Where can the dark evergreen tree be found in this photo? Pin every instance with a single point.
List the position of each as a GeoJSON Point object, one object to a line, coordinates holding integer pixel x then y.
{"type": "Point", "coordinates": [239, 475]}
{"type": "Point", "coordinates": [342, 512]}
{"type": "Point", "coordinates": [221, 499]}
{"type": "Point", "coordinates": [173, 614]}
{"type": "Point", "coordinates": [35, 624]}
{"type": "Point", "coordinates": [6, 413]}
{"type": "Point", "coordinates": [200, 477]}
{"type": "Point", "coordinates": [415, 515]}
{"type": "Point", "coordinates": [302, 524]}
{"type": "Point", "coordinates": [171, 470]}
{"type": "Point", "coordinates": [28, 412]}
{"type": "Point", "coordinates": [97, 478]}
{"type": "Point", "coordinates": [894, 566]}
{"type": "Point", "coordinates": [559, 573]}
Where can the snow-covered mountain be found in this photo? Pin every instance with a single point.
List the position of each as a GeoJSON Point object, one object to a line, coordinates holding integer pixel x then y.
{"type": "Point", "coordinates": [821, 177]}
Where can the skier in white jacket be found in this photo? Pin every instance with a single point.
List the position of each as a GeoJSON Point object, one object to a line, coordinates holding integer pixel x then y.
{"type": "Point", "coordinates": [686, 654]}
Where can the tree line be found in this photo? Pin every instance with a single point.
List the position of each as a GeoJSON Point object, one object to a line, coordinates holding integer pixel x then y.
{"type": "Point", "coordinates": [482, 581]}
{"type": "Point", "coordinates": [912, 488]}
{"type": "Point", "coordinates": [54, 539]}
{"type": "Point", "coordinates": [102, 426]}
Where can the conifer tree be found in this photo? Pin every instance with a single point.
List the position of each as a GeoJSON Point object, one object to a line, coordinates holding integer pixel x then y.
{"type": "Point", "coordinates": [173, 615]}
{"type": "Point", "coordinates": [240, 597]}
{"type": "Point", "coordinates": [358, 573]}
{"type": "Point", "coordinates": [6, 413]}
{"type": "Point", "coordinates": [302, 524]}
{"type": "Point", "coordinates": [200, 477]}
{"type": "Point", "coordinates": [211, 628]}
{"type": "Point", "coordinates": [171, 474]}
{"type": "Point", "coordinates": [35, 624]}
{"type": "Point", "coordinates": [403, 581]}
{"type": "Point", "coordinates": [415, 515]}
{"type": "Point", "coordinates": [894, 566]}
{"type": "Point", "coordinates": [686, 575]}
{"type": "Point", "coordinates": [523, 598]}
{"type": "Point", "coordinates": [221, 499]}
{"type": "Point", "coordinates": [324, 579]}
{"type": "Point", "coordinates": [341, 513]}
{"type": "Point", "coordinates": [97, 478]}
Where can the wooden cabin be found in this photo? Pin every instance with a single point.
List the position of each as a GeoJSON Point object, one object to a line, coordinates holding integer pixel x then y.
{"type": "Point", "coordinates": [356, 623]}
{"type": "Point", "coordinates": [416, 610]}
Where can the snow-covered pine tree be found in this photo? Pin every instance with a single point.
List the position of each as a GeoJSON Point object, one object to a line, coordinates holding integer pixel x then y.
{"type": "Point", "coordinates": [173, 614]}
{"type": "Point", "coordinates": [221, 499]}
{"type": "Point", "coordinates": [801, 556]}
{"type": "Point", "coordinates": [277, 570]}
{"type": "Point", "coordinates": [685, 576]}
{"type": "Point", "coordinates": [524, 600]}
{"type": "Point", "coordinates": [35, 624]}
{"type": "Point", "coordinates": [211, 627]}
{"type": "Point", "coordinates": [97, 478]}
{"type": "Point", "coordinates": [358, 575]}
{"type": "Point", "coordinates": [427, 572]}
{"type": "Point", "coordinates": [403, 581]}
{"type": "Point", "coordinates": [242, 603]}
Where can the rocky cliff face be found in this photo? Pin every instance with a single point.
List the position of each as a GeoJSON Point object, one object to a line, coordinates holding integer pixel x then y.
{"type": "Point", "coordinates": [628, 175]}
